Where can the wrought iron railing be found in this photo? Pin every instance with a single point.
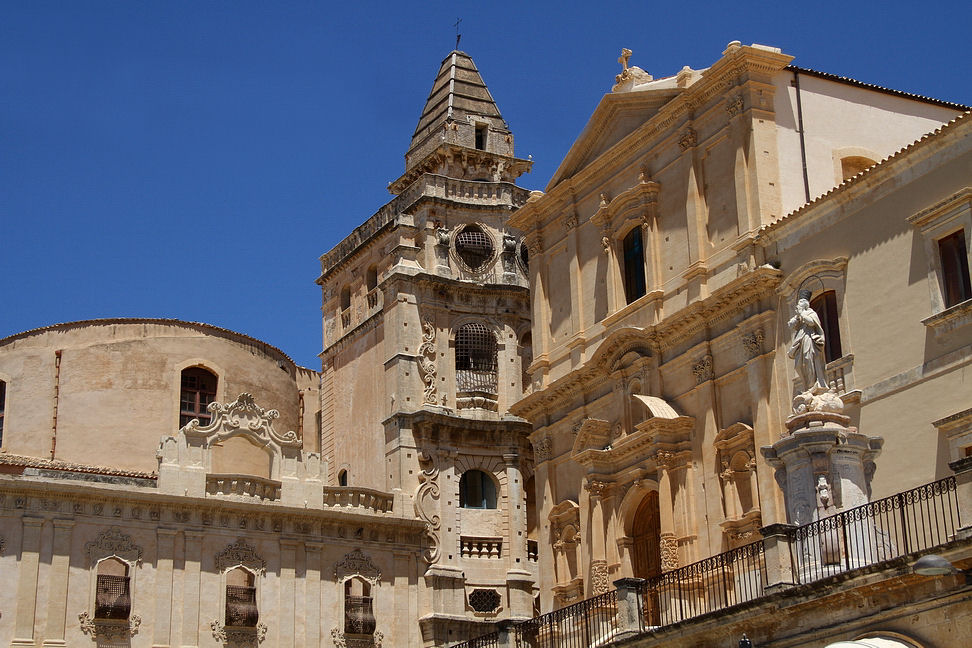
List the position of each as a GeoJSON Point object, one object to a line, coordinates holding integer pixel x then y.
{"type": "Point", "coordinates": [724, 580]}
{"type": "Point", "coordinates": [489, 640]}
{"type": "Point", "coordinates": [914, 520]}
{"type": "Point", "coordinates": [589, 623]}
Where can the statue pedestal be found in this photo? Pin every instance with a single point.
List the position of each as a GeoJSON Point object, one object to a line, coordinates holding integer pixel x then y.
{"type": "Point", "coordinates": [821, 446]}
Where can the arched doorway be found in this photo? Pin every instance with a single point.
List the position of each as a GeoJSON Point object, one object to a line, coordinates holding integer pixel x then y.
{"type": "Point", "coordinates": [646, 549]}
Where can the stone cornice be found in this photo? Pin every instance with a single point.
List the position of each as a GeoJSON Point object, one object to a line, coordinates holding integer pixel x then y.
{"type": "Point", "coordinates": [720, 305]}
{"type": "Point", "coordinates": [438, 156]}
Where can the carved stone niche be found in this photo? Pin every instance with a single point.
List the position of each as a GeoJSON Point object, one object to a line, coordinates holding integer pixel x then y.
{"type": "Point", "coordinates": [737, 461]}
{"type": "Point", "coordinates": [186, 458]}
{"type": "Point", "coordinates": [565, 531]}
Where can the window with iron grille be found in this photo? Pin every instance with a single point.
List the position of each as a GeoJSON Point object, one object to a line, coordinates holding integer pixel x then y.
{"type": "Point", "coordinates": [198, 391]}
{"type": "Point", "coordinates": [484, 600]}
{"type": "Point", "coordinates": [241, 607]}
{"type": "Point", "coordinates": [474, 247]}
{"type": "Point", "coordinates": [359, 617]}
{"type": "Point", "coordinates": [475, 359]}
{"type": "Point", "coordinates": [112, 597]}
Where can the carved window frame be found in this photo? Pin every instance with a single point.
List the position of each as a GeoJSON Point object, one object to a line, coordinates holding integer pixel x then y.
{"type": "Point", "coordinates": [955, 431]}
{"type": "Point", "coordinates": [933, 224]}
{"type": "Point", "coordinates": [464, 268]}
{"type": "Point", "coordinates": [223, 573]}
{"type": "Point", "coordinates": [111, 544]}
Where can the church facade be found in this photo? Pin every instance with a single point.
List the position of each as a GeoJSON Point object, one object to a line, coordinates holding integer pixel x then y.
{"type": "Point", "coordinates": [528, 399]}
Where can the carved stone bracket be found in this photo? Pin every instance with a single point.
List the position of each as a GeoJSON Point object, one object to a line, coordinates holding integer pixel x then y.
{"type": "Point", "coordinates": [753, 342]}
{"type": "Point", "coordinates": [542, 449]}
{"type": "Point", "coordinates": [688, 138]}
{"type": "Point", "coordinates": [238, 637]}
{"type": "Point", "coordinates": [240, 553]}
{"type": "Point", "coordinates": [357, 563]}
{"type": "Point", "coordinates": [113, 542]}
{"type": "Point", "coordinates": [734, 105]}
{"type": "Point", "coordinates": [109, 630]}
{"type": "Point", "coordinates": [426, 361]}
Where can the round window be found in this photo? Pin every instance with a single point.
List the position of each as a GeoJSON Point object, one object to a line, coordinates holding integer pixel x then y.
{"type": "Point", "coordinates": [474, 247]}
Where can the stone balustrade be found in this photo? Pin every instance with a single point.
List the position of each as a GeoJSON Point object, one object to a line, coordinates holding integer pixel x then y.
{"type": "Point", "coordinates": [353, 497]}
{"type": "Point", "coordinates": [470, 547]}
{"type": "Point", "coordinates": [243, 486]}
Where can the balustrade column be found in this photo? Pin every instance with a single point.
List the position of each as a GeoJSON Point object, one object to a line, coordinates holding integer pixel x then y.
{"type": "Point", "coordinates": [27, 583]}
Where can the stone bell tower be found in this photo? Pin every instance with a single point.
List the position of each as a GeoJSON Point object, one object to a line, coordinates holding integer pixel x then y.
{"type": "Point", "coordinates": [426, 342]}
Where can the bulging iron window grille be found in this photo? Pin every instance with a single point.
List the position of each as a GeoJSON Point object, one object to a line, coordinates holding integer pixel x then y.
{"type": "Point", "coordinates": [475, 359]}
{"type": "Point", "coordinates": [359, 617]}
{"type": "Point", "coordinates": [112, 597]}
{"type": "Point", "coordinates": [484, 600]}
{"type": "Point", "coordinates": [241, 607]}
{"type": "Point", "coordinates": [474, 247]}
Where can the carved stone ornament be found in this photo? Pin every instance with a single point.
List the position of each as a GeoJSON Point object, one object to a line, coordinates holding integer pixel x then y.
{"type": "Point", "coordinates": [599, 577]}
{"type": "Point", "coordinates": [665, 459]}
{"type": "Point", "coordinates": [342, 640]}
{"type": "Point", "coordinates": [238, 637]}
{"type": "Point", "coordinates": [570, 219]}
{"type": "Point", "coordinates": [109, 630]}
{"type": "Point", "coordinates": [597, 487]}
{"type": "Point", "coordinates": [535, 245]}
{"type": "Point", "coordinates": [357, 563]}
{"type": "Point", "coordinates": [242, 415]}
{"type": "Point", "coordinates": [669, 552]}
{"type": "Point", "coordinates": [753, 342]}
{"type": "Point", "coordinates": [113, 542]}
{"type": "Point", "coordinates": [688, 139]}
{"type": "Point", "coordinates": [734, 105]}
{"type": "Point", "coordinates": [240, 553]}
{"type": "Point", "coordinates": [703, 369]}
{"type": "Point", "coordinates": [426, 361]}
{"type": "Point", "coordinates": [542, 449]}
{"type": "Point", "coordinates": [425, 497]}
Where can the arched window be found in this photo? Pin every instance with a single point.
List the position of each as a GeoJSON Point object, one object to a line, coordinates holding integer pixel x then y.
{"type": "Point", "coordinates": [475, 359]}
{"type": "Point", "coordinates": [113, 599]}
{"type": "Point", "coordinates": [854, 164]}
{"type": "Point", "coordinates": [371, 278]}
{"type": "Point", "coordinates": [241, 604]}
{"type": "Point", "coordinates": [477, 490]}
{"type": "Point", "coordinates": [634, 266]}
{"type": "Point", "coordinates": [474, 247]}
{"type": "Point", "coordinates": [359, 617]}
{"type": "Point", "coordinates": [345, 298]}
{"type": "Point", "coordinates": [825, 305]}
{"type": "Point", "coordinates": [198, 391]}
{"type": "Point", "coordinates": [343, 478]}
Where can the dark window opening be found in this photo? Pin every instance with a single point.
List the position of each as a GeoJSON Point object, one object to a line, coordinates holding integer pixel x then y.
{"type": "Point", "coordinates": [475, 359]}
{"type": "Point", "coordinates": [345, 298]}
{"type": "Point", "coordinates": [474, 247]}
{"type": "Point", "coordinates": [371, 278]}
{"type": "Point", "coordinates": [634, 266]}
{"type": "Point", "coordinates": [477, 490]}
{"type": "Point", "coordinates": [198, 391]}
{"type": "Point", "coordinates": [343, 478]}
{"type": "Point", "coordinates": [113, 599]}
{"type": "Point", "coordinates": [526, 359]}
{"type": "Point", "coordinates": [481, 130]}
{"type": "Point", "coordinates": [956, 286]}
{"type": "Point", "coordinates": [524, 255]}
{"type": "Point", "coordinates": [825, 305]}
{"type": "Point", "coordinates": [359, 617]}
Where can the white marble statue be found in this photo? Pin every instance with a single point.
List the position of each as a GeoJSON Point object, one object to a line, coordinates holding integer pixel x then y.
{"type": "Point", "coordinates": [807, 349]}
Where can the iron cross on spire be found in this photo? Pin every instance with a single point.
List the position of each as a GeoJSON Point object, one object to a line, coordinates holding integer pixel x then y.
{"type": "Point", "coordinates": [458, 35]}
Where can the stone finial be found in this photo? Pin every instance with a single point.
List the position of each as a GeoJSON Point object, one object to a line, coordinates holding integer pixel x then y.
{"type": "Point", "coordinates": [625, 55]}
{"type": "Point", "coordinates": [630, 75]}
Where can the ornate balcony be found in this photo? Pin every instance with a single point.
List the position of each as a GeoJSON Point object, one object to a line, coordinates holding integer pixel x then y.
{"type": "Point", "coordinates": [243, 486]}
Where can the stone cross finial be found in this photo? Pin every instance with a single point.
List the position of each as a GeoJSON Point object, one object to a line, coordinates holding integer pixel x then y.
{"type": "Point", "coordinates": [625, 55]}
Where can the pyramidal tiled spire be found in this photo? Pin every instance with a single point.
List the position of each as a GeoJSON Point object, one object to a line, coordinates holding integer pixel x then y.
{"type": "Point", "coordinates": [461, 132]}
{"type": "Point", "coordinates": [458, 92]}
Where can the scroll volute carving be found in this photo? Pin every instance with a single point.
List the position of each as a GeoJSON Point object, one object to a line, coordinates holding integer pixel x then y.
{"type": "Point", "coordinates": [737, 463]}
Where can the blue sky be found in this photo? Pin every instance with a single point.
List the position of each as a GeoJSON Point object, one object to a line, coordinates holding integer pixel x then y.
{"type": "Point", "coordinates": [194, 159]}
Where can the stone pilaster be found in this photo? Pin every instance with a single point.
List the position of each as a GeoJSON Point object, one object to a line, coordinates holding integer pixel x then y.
{"type": "Point", "coordinates": [165, 550]}
{"type": "Point", "coordinates": [312, 593]}
{"type": "Point", "coordinates": [288, 572]}
{"type": "Point", "coordinates": [191, 587]}
{"type": "Point", "coordinates": [58, 583]}
{"type": "Point", "coordinates": [27, 582]}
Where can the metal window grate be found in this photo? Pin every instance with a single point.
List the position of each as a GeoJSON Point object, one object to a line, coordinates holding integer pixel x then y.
{"type": "Point", "coordinates": [475, 359]}
{"type": "Point", "coordinates": [358, 615]}
{"type": "Point", "coordinates": [474, 247]}
{"type": "Point", "coordinates": [241, 607]}
{"type": "Point", "coordinates": [484, 600]}
{"type": "Point", "coordinates": [112, 598]}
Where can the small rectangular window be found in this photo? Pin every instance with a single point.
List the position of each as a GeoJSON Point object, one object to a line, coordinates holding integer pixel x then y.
{"type": "Point", "coordinates": [481, 130]}
{"type": "Point", "coordinates": [956, 286]}
{"type": "Point", "coordinates": [825, 305]}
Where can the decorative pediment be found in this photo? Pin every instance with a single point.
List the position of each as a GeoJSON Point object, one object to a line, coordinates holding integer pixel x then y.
{"type": "Point", "coordinates": [113, 542]}
{"type": "Point", "coordinates": [593, 434]}
{"type": "Point", "coordinates": [241, 417]}
{"type": "Point", "coordinates": [737, 435]}
{"type": "Point", "coordinates": [240, 553]}
{"type": "Point", "coordinates": [357, 563]}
